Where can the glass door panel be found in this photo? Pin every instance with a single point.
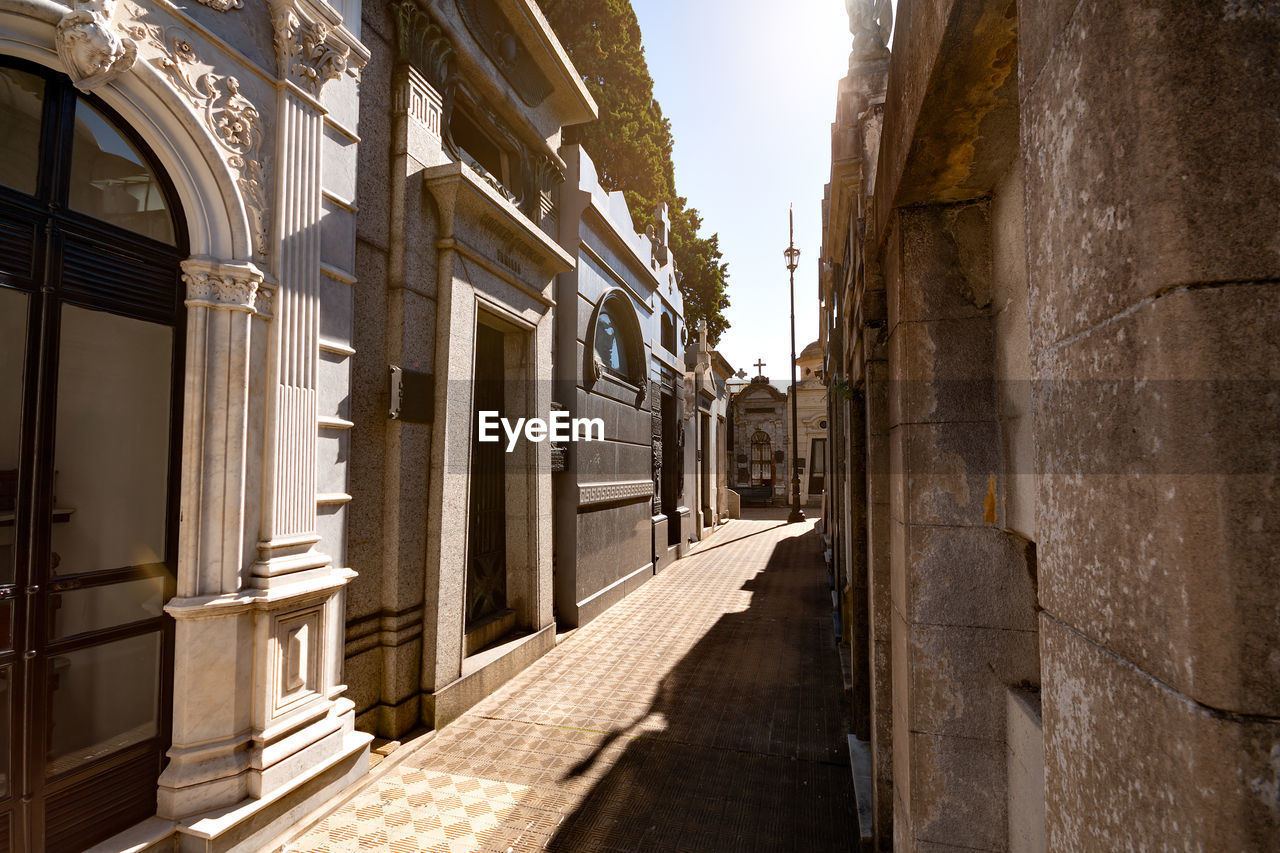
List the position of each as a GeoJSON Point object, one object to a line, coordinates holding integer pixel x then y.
{"type": "Point", "coordinates": [86, 437]}
{"type": "Point", "coordinates": [96, 608]}
{"type": "Point", "coordinates": [102, 699]}
{"type": "Point", "coordinates": [6, 676]}
{"type": "Point", "coordinates": [110, 486]}
{"type": "Point", "coordinates": [111, 181]}
{"type": "Point", "coordinates": [22, 105]}
{"type": "Point", "coordinates": [13, 346]}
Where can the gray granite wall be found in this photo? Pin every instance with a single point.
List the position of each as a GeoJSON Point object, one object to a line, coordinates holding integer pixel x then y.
{"type": "Point", "coordinates": [603, 500]}
{"type": "Point", "coordinates": [395, 324]}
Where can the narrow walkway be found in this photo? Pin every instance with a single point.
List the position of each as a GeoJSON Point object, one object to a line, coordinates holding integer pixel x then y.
{"type": "Point", "coordinates": [703, 713]}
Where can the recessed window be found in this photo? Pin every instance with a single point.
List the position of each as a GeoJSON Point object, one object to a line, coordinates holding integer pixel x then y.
{"type": "Point", "coordinates": [471, 139]}
{"type": "Point", "coordinates": [617, 347]}
{"type": "Point", "coordinates": [668, 333]}
{"type": "Point", "coordinates": [488, 149]}
{"type": "Point", "coordinates": [611, 343]}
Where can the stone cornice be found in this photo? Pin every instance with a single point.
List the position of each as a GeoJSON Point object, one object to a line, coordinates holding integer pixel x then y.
{"type": "Point", "coordinates": [467, 202]}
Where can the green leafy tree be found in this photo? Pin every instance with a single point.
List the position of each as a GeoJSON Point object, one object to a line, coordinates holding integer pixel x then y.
{"type": "Point", "coordinates": [631, 143]}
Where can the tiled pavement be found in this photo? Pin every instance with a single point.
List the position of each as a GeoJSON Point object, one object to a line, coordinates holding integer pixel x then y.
{"type": "Point", "coordinates": [703, 713]}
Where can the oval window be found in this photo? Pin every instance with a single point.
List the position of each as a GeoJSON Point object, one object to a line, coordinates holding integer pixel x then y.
{"type": "Point", "coordinates": [612, 345]}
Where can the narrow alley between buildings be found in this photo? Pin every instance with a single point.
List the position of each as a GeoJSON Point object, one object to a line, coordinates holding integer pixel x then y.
{"type": "Point", "coordinates": [704, 712]}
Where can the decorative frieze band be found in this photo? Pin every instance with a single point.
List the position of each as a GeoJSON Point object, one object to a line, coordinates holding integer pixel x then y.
{"type": "Point", "coordinates": [422, 103]}
{"type": "Point", "coordinates": [601, 493]}
{"type": "Point", "coordinates": [229, 286]}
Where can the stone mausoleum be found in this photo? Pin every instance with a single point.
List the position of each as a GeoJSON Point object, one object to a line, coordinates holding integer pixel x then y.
{"type": "Point", "coordinates": [619, 321]}
{"type": "Point", "coordinates": [458, 254]}
{"type": "Point", "coordinates": [810, 399]}
{"type": "Point", "coordinates": [761, 447]}
{"type": "Point", "coordinates": [177, 252]}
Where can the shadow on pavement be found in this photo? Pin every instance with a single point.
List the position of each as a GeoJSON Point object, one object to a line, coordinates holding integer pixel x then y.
{"type": "Point", "coordinates": [753, 755]}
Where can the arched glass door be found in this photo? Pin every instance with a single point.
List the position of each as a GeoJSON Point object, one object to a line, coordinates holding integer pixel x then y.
{"type": "Point", "coordinates": [90, 310]}
{"type": "Point", "coordinates": [761, 459]}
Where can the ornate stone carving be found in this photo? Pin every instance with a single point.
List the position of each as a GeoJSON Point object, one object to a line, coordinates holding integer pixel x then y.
{"type": "Point", "coordinates": [416, 98]}
{"type": "Point", "coordinates": [541, 174]}
{"type": "Point", "coordinates": [599, 493]}
{"type": "Point", "coordinates": [496, 36]}
{"type": "Point", "coordinates": [90, 50]}
{"type": "Point", "coordinates": [425, 46]}
{"type": "Point", "coordinates": [223, 5]}
{"type": "Point", "coordinates": [308, 51]}
{"type": "Point", "coordinates": [232, 287]}
{"type": "Point", "coordinates": [657, 475]}
{"type": "Point", "coordinates": [871, 22]}
{"type": "Point", "coordinates": [231, 118]}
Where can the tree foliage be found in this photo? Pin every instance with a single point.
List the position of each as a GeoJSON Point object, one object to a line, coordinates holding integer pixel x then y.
{"type": "Point", "coordinates": [631, 143]}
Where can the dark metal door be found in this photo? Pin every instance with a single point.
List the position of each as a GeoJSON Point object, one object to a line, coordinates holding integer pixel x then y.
{"type": "Point", "coordinates": [487, 541]}
{"type": "Point", "coordinates": [670, 468]}
{"type": "Point", "coordinates": [90, 342]}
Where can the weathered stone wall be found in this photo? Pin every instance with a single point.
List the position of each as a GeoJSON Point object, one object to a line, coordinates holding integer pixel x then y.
{"type": "Point", "coordinates": [1073, 212]}
{"type": "Point", "coordinates": [1153, 268]}
{"type": "Point", "coordinates": [963, 604]}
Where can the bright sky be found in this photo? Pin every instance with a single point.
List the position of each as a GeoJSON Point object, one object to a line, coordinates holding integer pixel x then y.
{"type": "Point", "coordinates": [750, 88]}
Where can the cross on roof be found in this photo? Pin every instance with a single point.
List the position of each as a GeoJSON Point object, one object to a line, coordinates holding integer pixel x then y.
{"type": "Point", "coordinates": [759, 366]}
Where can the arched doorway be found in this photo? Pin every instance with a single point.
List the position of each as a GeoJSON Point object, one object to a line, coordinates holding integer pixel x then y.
{"type": "Point", "coordinates": [90, 394]}
{"type": "Point", "coordinates": [761, 459]}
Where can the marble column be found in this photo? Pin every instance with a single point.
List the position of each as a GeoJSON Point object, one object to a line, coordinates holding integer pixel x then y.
{"type": "Point", "coordinates": [208, 756]}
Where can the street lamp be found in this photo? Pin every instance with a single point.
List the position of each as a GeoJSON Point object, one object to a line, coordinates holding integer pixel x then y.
{"type": "Point", "coordinates": [792, 254]}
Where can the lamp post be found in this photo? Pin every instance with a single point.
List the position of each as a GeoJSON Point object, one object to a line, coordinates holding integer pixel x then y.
{"type": "Point", "coordinates": [792, 255]}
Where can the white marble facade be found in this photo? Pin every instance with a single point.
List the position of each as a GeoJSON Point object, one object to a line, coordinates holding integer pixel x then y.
{"type": "Point", "coordinates": [811, 423]}
{"type": "Point", "coordinates": [707, 376]}
{"type": "Point", "coordinates": [251, 109]}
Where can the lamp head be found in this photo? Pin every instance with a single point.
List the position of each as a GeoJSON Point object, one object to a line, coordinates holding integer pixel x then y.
{"type": "Point", "coordinates": [792, 255]}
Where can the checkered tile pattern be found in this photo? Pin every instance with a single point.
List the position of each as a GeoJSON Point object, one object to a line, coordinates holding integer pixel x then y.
{"type": "Point", "coordinates": [704, 712]}
{"type": "Point", "coordinates": [414, 810]}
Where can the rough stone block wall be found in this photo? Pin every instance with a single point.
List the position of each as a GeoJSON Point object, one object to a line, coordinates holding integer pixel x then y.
{"type": "Point", "coordinates": [963, 604]}
{"type": "Point", "coordinates": [1151, 137]}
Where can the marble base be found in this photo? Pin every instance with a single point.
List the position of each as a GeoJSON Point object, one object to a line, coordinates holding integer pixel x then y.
{"type": "Point", "coordinates": [251, 826]}
{"type": "Point", "coordinates": [482, 674]}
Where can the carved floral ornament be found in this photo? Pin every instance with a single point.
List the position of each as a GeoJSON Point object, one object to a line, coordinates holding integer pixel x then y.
{"type": "Point", "coordinates": [309, 52]}
{"type": "Point", "coordinates": [229, 286]}
{"type": "Point", "coordinates": [229, 116]}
